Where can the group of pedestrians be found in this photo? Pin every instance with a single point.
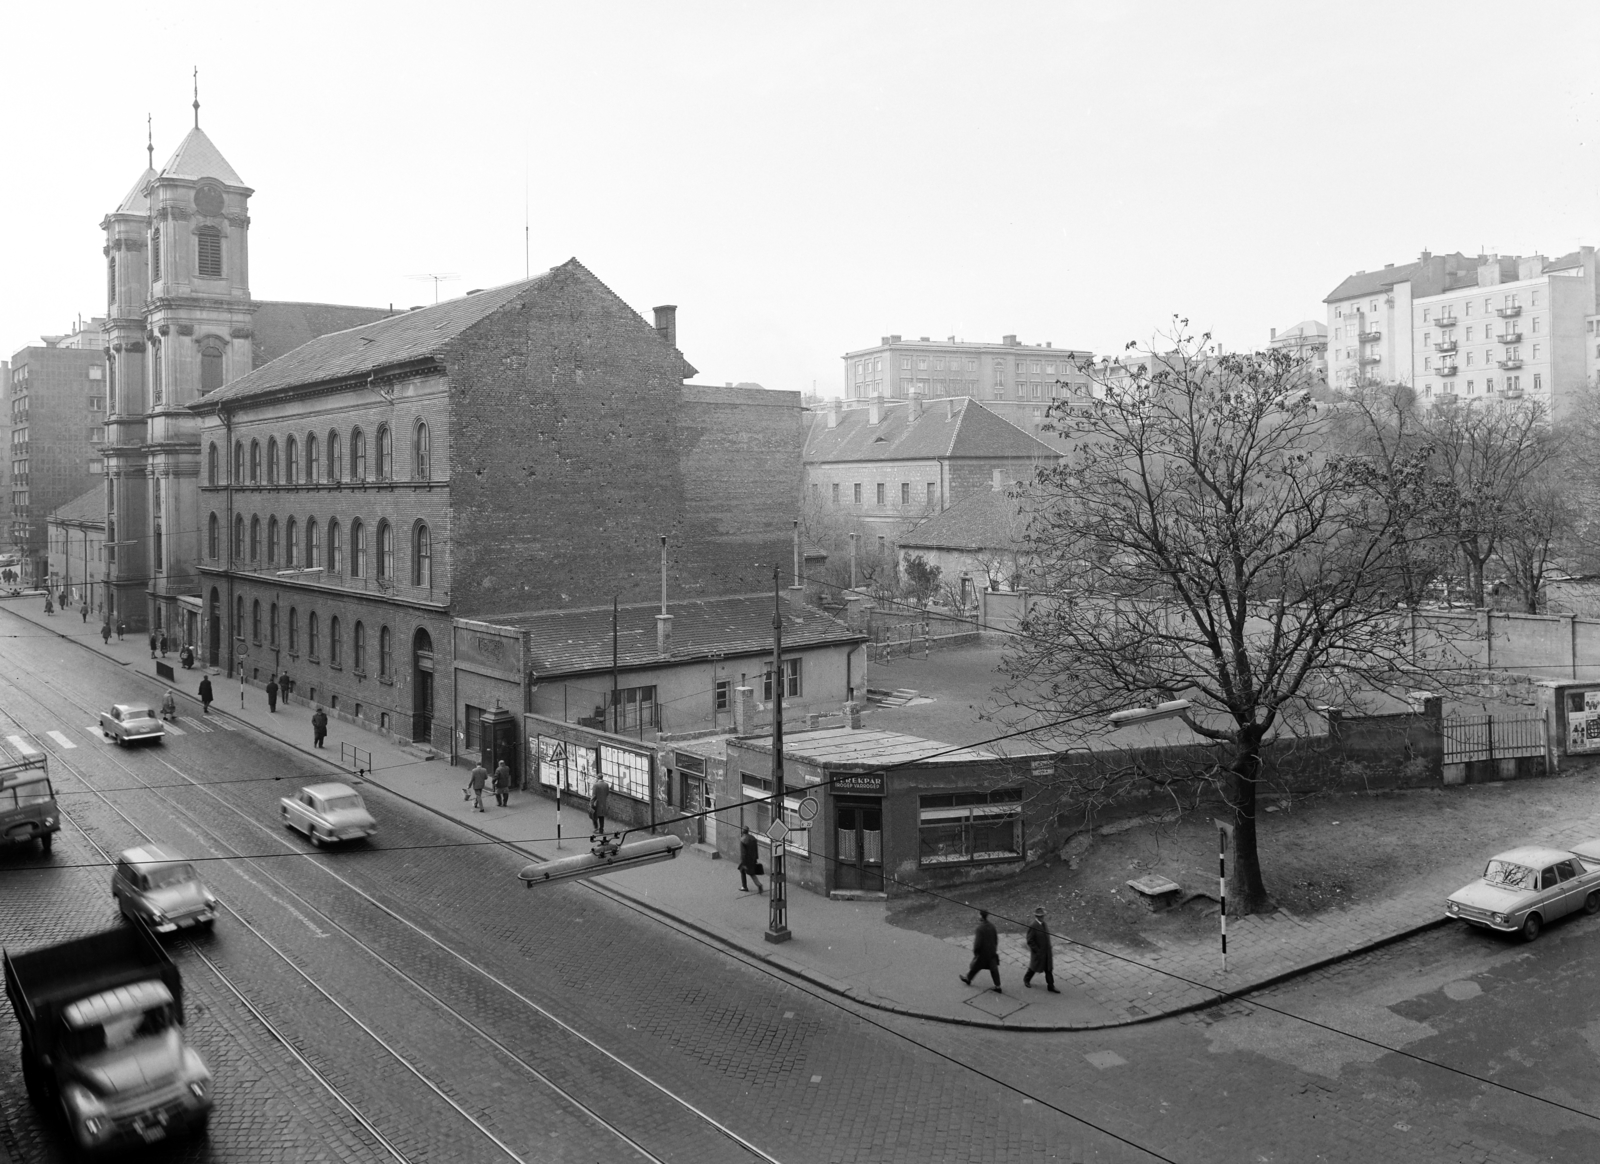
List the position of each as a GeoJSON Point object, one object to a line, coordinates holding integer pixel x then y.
{"type": "Point", "coordinates": [479, 779]}
{"type": "Point", "coordinates": [986, 953]}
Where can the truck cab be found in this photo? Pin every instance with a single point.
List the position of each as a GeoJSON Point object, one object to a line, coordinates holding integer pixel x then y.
{"type": "Point", "coordinates": [28, 809]}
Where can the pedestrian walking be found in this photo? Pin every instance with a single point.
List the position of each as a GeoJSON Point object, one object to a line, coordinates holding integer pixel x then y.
{"type": "Point", "coordinates": [49, 607]}
{"type": "Point", "coordinates": [475, 783]}
{"type": "Point", "coordinates": [122, 629]}
{"type": "Point", "coordinates": [749, 861]}
{"type": "Point", "coordinates": [105, 633]}
{"type": "Point", "coordinates": [599, 797]}
{"type": "Point", "coordinates": [1041, 957]}
{"type": "Point", "coordinates": [272, 694]}
{"type": "Point", "coordinates": [319, 728]}
{"type": "Point", "coordinates": [205, 695]}
{"type": "Point", "coordinates": [152, 644]}
{"type": "Point", "coordinates": [84, 610]}
{"type": "Point", "coordinates": [985, 952]}
{"type": "Point", "coordinates": [163, 644]}
{"type": "Point", "coordinates": [169, 706]}
{"type": "Point", "coordinates": [285, 685]}
{"type": "Point", "coordinates": [502, 784]}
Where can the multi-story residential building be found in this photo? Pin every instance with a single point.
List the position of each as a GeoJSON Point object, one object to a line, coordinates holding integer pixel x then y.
{"type": "Point", "coordinates": [1308, 341]}
{"type": "Point", "coordinates": [518, 449]}
{"type": "Point", "coordinates": [1015, 381]}
{"type": "Point", "coordinates": [57, 415]}
{"type": "Point", "coordinates": [1370, 337]}
{"type": "Point", "coordinates": [182, 324]}
{"type": "Point", "coordinates": [77, 534]}
{"type": "Point", "coordinates": [1510, 327]}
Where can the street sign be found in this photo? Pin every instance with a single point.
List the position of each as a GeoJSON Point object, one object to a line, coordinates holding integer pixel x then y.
{"type": "Point", "coordinates": [808, 809]}
{"type": "Point", "coordinates": [778, 832]}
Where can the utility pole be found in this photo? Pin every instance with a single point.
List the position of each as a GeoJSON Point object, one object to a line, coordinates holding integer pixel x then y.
{"type": "Point", "coordinates": [778, 919]}
{"type": "Point", "coordinates": [615, 725]}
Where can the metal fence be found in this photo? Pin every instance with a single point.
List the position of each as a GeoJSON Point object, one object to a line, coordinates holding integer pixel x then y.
{"type": "Point", "coordinates": [1490, 737]}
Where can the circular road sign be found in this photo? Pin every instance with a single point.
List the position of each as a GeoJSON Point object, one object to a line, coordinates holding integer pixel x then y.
{"type": "Point", "coordinates": [808, 809]}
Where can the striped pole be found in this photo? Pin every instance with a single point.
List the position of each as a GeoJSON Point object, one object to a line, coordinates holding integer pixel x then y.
{"type": "Point", "coordinates": [1222, 891]}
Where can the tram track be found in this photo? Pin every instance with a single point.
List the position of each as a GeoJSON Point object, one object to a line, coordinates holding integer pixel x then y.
{"type": "Point", "coordinates": [563, 1094]}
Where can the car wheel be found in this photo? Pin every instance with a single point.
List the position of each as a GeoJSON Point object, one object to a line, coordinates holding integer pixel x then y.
{"type": "Point", "coordinates": [1531, 925]}
{"type": "Point", "coordinates": [316, 837]}
{"type": "Point", "coordinates": [1591, 904]}
{"type": "Point", "coordinates": [47, 842]}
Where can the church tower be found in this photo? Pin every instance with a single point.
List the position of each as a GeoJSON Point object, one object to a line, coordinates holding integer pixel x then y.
{"type": "Point", "coordinates": [198, 336]}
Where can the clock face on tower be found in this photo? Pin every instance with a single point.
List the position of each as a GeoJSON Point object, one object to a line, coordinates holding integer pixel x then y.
{"type": "Point", "coordinates": [208, 200]}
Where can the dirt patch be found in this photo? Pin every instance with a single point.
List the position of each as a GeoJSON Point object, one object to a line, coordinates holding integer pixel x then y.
{"type": "Point", "coordinates": [1323, 853]}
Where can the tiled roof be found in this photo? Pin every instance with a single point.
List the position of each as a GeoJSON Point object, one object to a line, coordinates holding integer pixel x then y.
{"type": "Point", "coordinates": [134, 201]}
{"type": "Point", "coordinates": [280, 328]}
{"type": "Point", "coordinates": [1565, 262]}
{"type": "Point", "coordinates": [87, 507]}
{"type": "Point", "coordinates": [565, 642]}
{"type": "Point", "coordinates": [1372, 282]}
{"type": "Point", "coordinates": [196, 157]}
{"type": "Point", "coordinates": [395, 339]}
{"type": "Point", "coordinates": [972, 431]}
{"type": "Point", "coordinates": [987, 519]}
{"type": "Point", "coordinates": [867, 749]}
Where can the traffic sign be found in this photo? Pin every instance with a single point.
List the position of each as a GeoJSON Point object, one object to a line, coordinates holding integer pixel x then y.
{"type": "Point", "coordinates": [808, 810]}
{"type": "Point", "coordinates": [778, 832]}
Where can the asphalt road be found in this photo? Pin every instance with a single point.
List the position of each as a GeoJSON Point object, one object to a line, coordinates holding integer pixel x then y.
{"type": "Point", "coordinates": [407, 1000]}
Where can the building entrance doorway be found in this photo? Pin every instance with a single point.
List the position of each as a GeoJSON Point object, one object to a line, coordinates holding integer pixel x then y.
{"type": "Point", "coordinates": [214, 632]}
{"type": "Point", "coordinates": [422, 688]}
{"type": "Point", "coordinates": [858, 839]}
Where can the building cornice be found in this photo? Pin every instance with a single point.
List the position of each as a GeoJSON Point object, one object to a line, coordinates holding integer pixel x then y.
{"type": "Point", "coordinates": [311, 587]}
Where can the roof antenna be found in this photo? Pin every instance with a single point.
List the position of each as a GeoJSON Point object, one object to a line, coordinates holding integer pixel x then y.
{"type": "Point", "coordinates": [197, 96]}
{"type": "Point", "coordinates": [149, 143]}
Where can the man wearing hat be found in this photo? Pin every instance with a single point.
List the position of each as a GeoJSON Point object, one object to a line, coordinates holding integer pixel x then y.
{"type": "Point", "coordinates": [1041, 958]}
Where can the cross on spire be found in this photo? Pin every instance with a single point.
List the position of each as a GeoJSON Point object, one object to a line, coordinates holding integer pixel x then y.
{"type": "Point", "coordinates": [197, 96]}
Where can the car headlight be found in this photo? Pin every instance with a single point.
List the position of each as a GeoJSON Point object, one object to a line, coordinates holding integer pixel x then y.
{"type": "Point", "coordinates": [1452, 907]}
{"type": "Point", "coordinates": [157, 916]}
{"type": "Point", "coordinates": [91, 1126]}
{"type": "Point", "coordinates": [1501, 918]}
{"type": "Point", "coordinates": [198, 1087]}
{"type": "Point", "coordinates": [83, 1101]}
{"type": "Point", "coordinates": [48, 821]}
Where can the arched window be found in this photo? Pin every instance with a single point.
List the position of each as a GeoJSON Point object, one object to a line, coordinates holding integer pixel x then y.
{"type": "Point", "coordinates": [213, 530]}
{"type": "Point", "coordinates": [272, 625]}
{"type": "Point", "coordinates": [155, 371]}
{"type": "Point", "coordinates": [238, 462]}
{"type": "Point", "coordinates": [358, 639]}
{"type": "Point", "coordinates": [335, 548]}
{"type": "Point", "coordinates": [272, 460]}
{"type": "Point", "coordinates": [421, 556]}
{"type": "Point", "coordinates": [255, 620]}
{"type": "Point", "coordinates": [421, 451]}
{"type": "Point", "coordinates": [111, 282]}
{"type": "Point", "coordinates": [385, 453]}
{"type": "Point", "coordinates": [291, 461]}
{"type": "Point", "coordinates": [208, 252]}
{"type": "Point", "coordinates": [238, 617]}
{"type": "Point", "coordinates": [294, 630]}
{"type": "Point", "coordinates": [238, 536]}
{"type": "Point", "coordinates": [333, 456]}
{"type": "Point", "coordinates": [358, 455]}
{"type": "Point", "coordinates": [313, 460]}
{"type": "Point", "coordinates": [212, 351]}
{"type": "Point", "coordinates": [313, 635]}
{"type": "Point", "coordinates": [272, 541]}
{"type": "Point", "coordinates": [255, 462]}
{"type": "Point", "coordinates": [358, 548]}
{"type": "Point", "coordinates": [211, 466]}
{"type": "Point", "coordinates": [335, 641]}
{"type": "Point", "coordinates": [255, 539]}
{"type": "Point", "coordinates": [313, 544]}
{"type": "Point", "coordinates": [291, 542]}
{"type": "Point", "coordinates": [155, 255]}
{"type": "Point", "coordinates": [385, 562]}
{"type": "Point", "coordinates": [385, 652]}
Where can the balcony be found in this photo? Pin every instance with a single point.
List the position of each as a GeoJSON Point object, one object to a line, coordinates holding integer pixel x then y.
{"type": "Point", "coordinates": [1370, 337]}
{"type": "Point", "coordinates": [1510, 311]}
{"type": "Point", "coordinates": [1445, 321]}
{"type": "Point", "coordinates": [1370, 359]}
{"type": "Point", "coordinates": [1448, 345]}
{"type": "Point", "coordinates": [1447, 369]}
{"type": "Point", "coordinates": [1510, 337]}
{"type": "Point", "coordinates": [1511, 363]}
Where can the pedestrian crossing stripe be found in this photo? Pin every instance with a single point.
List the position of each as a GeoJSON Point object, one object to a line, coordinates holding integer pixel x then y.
{"type": "Point", "coordinates": [23, 746]}
{"type": "Point", "coordinates": [225, 725]}
{"type": "Point", "coordinates": [195, 725]}
{"type": "Point", "coordinates": [61, 739]}
{"type": "Point", "coordinates": [174, 730]}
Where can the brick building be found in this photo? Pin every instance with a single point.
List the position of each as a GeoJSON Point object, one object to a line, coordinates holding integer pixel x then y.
{"type": "Point", "coordinates": [520, 448]}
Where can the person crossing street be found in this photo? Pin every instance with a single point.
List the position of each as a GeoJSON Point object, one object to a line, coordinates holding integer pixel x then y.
{"type": "Point", "coordinates": [1041, 957]}
{"type": "Point", "coordinates": [985, 952]}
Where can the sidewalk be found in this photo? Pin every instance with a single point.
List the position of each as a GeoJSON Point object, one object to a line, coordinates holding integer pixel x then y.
{"type": "Point", "coordinates": [847, 947]}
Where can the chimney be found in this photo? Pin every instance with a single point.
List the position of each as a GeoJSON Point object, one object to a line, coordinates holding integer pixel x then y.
{"type": "Point", "coordinates": [744, 710]}
{"type": "Point", "coordinates": [1425, 256]}
{"type": "Point", "coordinates": [894, 339]}
{"type": "Point", "coordinates": [999, 481]}
{"type": "Point", "coordinates": [664, 620]}
{"type": "Point", "coordinates": [835, 411]}
{"type": "Point", "coordinates": [854, 539]}
{"type": "Point", "coordinates": [925, 339]}
{"type": "Point", "coordinates": [916, 405]}
{"type": "Point", "coordinates": [952, 339]}
{"type": "Point", "coordinates": [1273, 333]}
{"type": "Point", "coordinates": [1009, 341]}
{"type": "Point", "coordinates": [797, 592]}
{"type": "Point", "coordinates": [875, 410]}
{"type": "Point", "coordinates": [1048, 344]}
{"type": "Point", "coordinates": [667, 323]}
{"type": "Point", "coordinates": [949, 409]}
{"type": "Point", "coordinates": [886, 341]}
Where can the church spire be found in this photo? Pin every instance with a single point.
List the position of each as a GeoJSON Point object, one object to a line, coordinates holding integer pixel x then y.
{"type": "Point", "coordinates": [197, 96]}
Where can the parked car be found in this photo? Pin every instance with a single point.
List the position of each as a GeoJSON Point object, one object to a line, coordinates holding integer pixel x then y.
{"type": "Point", "coordinates": [1524, 890]}
{"type": "Point", "coordinates": [128, 722]}
{"type": "Point", "coordinates": [155, 885]}
{"type": "Point", "coordinates": [327, 813]}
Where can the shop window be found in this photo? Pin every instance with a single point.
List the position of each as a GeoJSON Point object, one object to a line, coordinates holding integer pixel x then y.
{"type": "Point", "coordinates": [756, 812]}
{"type": "Point", "coordinates": [964, 827]}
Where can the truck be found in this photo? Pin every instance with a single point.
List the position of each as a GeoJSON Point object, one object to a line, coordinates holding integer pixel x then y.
{"type": "Point", "coordinates": [103, 1047]}
{"type": "Point", "coordinates": [28, 809]}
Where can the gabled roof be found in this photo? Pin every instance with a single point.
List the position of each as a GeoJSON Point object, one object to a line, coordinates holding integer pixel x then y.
{"type": "Point", "coordinates": [566, 642]}
{"type": "Point", "coordinates": [135, 200]}
{"type": "Point", "coordinates": [196, 158]}
{"type": "Point", "coordinates": [972, 431]}
{"type": "Point", "coordinates": [1372, 282]}
{"type": "Point", "coordinates": [87, 507]}
{"type": "Point", "coordinates": [1565, 262]}
{"type": "Point", "coordinates": [986, 519]}
{"type": "Point", "coordinates": [279, 328]}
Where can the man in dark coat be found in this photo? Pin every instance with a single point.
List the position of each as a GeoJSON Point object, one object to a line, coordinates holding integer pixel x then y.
{"type": "Point", "coordinates": [285, 686]}
{"type": "Point", "coordinates": [319, 728]}
{"type": "Point", "coordinates": [205, 694]}
{"type": "Point", "coordinates": [599, 797]}
{"type": "Point", "coordinates": [502, 784]}
{"type": "Point", "coordinates": [475, 783]}
{"type": "Point", "coordinates": [985, 952]}
{"type": "Point", "coordinates": [1041, 958]}
{"type": "Point", "coordinates": [105, 633]}
{"type": "Point", "coordinates": [272, 694]}
{"type": "Point", "coordinates": [749, 860]}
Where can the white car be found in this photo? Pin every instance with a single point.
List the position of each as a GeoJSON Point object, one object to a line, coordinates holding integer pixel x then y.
{"type": "Point", "coordinates": [127, 723]}
{"type": "Point", "coordinates": [1523, 890]}
{"type": "Point", "coordinates": [328, 813]}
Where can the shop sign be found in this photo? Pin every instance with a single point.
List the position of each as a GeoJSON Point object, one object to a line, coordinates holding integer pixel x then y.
{"type": "Point", "coordinates": [864, 782]}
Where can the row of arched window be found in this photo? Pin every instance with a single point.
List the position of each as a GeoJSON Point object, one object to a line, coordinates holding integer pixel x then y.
{"type": "Point", "coordinates": [317, 461]}
{"type": "Point", "coordinates": [324, 545]}
{"type": "Point", "coordinates": [264, 630]}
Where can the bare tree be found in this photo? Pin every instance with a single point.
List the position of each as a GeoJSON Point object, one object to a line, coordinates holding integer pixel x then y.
{"type": "Point", "coordinates": [1208, 538]}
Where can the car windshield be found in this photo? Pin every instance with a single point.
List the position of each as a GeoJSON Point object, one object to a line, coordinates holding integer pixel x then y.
{"type": "Point", "coordinates": [171, 875]}
{"type": "Point", "coordinates": [335, 803]}
{"type": "Point", "coordinates": [25, 792]}
{"type": "Point", "coordinates": [1509, 874]}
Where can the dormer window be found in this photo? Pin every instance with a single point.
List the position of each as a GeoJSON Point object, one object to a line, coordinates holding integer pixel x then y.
{"type": "Point", "coordinates": [208, 252]}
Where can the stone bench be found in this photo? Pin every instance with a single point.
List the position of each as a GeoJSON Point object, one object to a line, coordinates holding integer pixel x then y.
{"type": "Point", "coordinates": [1157, 893]}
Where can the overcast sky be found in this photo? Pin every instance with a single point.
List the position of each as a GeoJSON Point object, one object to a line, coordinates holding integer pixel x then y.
{"type": "Point", "coordinates": [803, 178]}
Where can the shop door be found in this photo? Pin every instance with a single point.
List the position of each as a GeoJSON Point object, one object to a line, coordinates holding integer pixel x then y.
{"type": "Point", "coordinates": [858, 837]}
{"type": "Point", "coordinates": [694, 801]}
